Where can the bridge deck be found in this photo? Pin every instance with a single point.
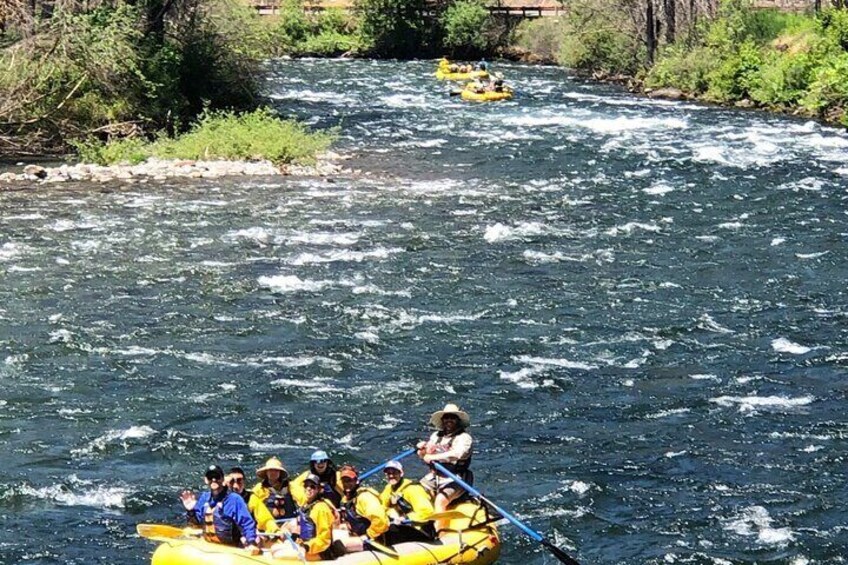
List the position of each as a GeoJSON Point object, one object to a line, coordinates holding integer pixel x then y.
{"type": "Point", "coordinates": [524, 8]}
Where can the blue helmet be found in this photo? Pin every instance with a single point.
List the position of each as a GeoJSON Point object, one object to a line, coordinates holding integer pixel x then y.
{"type": "Point", "coordinates": [319, 455]}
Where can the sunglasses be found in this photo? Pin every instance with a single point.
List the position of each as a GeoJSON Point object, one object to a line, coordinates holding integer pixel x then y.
{"type": "Point", "coordinates": [318, 462]}
{"type": "Point", "coordinates": [238, 480]}
{"type": "Point", "coordinates": [310, 485]}
{"type": "Point", "coordinates": [214, 478]}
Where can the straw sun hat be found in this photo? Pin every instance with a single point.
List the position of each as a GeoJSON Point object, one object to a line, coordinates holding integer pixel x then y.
{"type": "Point", "coordinates": [436, 418]}
{"type": "Point", "coordinates": [272, 463]}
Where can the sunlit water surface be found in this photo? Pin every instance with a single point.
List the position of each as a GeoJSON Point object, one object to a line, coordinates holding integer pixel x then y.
{"type": "Point", "coordinates": [641, 303]}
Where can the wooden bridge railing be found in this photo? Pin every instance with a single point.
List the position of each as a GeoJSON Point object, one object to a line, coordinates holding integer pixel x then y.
{"type": "Point", "coordinates": [516, 8]}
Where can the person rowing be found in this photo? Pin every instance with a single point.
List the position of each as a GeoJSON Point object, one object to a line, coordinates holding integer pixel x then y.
{"type": "Point", "coordinates": [450, 445]}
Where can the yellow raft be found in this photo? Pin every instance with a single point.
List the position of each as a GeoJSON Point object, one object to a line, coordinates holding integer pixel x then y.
{"type": "Point", "coordinates": [443, 74]}
{"type": "Point", "coordinates": [470, 540]}
{"type": "Point", "coordinates": [488, 96]}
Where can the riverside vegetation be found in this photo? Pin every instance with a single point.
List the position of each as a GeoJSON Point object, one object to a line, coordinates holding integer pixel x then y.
{"type": "Point", "coordinates": [124, 80]}
{"type": "Point", "coordinates": [727, 53]}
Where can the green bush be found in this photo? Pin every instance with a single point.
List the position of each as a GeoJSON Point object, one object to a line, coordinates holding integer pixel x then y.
{"type": "Point", "coordinates": [219, 135]}
{"type": "Point", "coordinates": [393, 28]}
{"type": "Point", "coordinates": [782, 79]}
{"type": "Point", "coordinates": [733, 78]}
{"type": "Point", "coordinates": [829, 85]}
{"type": "Point", "coordinates": [464, 24]}
{"type": "Point", "coordinates": [685, 68]}
{"type": "Point", "coordinates": [542, 36]}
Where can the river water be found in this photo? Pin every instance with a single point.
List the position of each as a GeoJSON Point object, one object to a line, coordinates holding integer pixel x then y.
{"type": "Point", "coordinates": [641, 304]}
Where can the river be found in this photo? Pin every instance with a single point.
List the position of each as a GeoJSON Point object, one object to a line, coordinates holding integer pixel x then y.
{"type": "Point", "coordinates": [641, 303]}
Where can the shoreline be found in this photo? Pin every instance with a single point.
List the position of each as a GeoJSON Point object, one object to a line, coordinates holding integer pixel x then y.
{"type": "Point", "coordinates": [327, 164]}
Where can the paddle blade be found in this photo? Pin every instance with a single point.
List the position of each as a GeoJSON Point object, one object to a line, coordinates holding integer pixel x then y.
{"type": "Point", "coordinates": [455, 92]}
{"type": "Point", "coordinates": [150, 531]}
{"type": "Point", "coordinates": [559, 554]}
{"type": "Point", "coordinates": [447, 515]}
{"type": "Point", "coordinates": [384, 548]}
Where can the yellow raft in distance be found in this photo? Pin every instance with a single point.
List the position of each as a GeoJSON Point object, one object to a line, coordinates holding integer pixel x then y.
{"type": "Point", "coordinates": [442, 74]}
{"type": "Point", "coordinates": [467, 541]}
{"type": "Point", "coordinates": [488, 96]}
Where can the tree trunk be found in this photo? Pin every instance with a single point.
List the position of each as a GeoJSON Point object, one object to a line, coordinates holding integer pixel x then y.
{"type": "Point", "coordinates": [650, 31]}
{"type": "Point", "coordinates": [670, 20]}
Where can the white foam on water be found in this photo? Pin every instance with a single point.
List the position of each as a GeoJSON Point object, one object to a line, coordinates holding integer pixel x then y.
{"type": "Point", "coordinates": [93, 496]}
{"type": "Point", "coordinates": [323, 238]}
{"type": "Point", "coordinates": [579, 487]}
{"type": "Point", "coordinates": [374, 289]}
{"type": "Point", "coordinates": [553, 362]}
{"type": "Point", "coordinates": [61, 336]}
{"type": "Point", "coordinates": [704, 377]}
{"type": "Point", "coordinates": [754, 403]}
{"type": "Point", "coordinates": [299, 361]}
{"type": "Point", "coordinates": [523, 378]}
{"type": "Point", "coordinates": [18, 359]}
{"type": "Point", "coordinates": [673, 454]}
{"type": "Point", "coordinates": [731, 225]}
{"type": "Point", "coordinates": [811, 255]}
{"type": "Point", "coordinates": [707, 323]}
{"type": "Point", "coordinates": [257, 234]}
{"type": "Point", "coordinates": [114, 437]}
{"type": "Point", "coordinates": [9, 251]}
{"type": "Point", "coordinates": [808, 183]}
{"type": "Point", "coordinates": [313, 96]}
{"type": "Point", "coordinates": [600, 125]}
{"type": "Point", "coordinates": [658, 189]}
{"type": "Point", "coordinates": [335, 256]}
{"type": "Point", "coordinates": [667, 413]}
{"type": "Point", "coordinates": [312, 385]}
{"type": "Point", "coordinates": [812, 448]}
{"type": "Point", "coordinates": [407, 101]}
{"type": "Point", "coordinates": [270, 447]}
{"type": "Point", "coordinates": [207, 359]}
{"type": "Point", "coordinates": [630, 227]}
{"type": "Point", "coordinates": [500, 232]}
{"type": "Point", "coordinates": [778, 241]}
{"type": "Point", "coordinates": [755, 521]}
{"type": "Point", "coordinates": [292, 283]}
{"type": "Point", "coordinates": [783, 345]}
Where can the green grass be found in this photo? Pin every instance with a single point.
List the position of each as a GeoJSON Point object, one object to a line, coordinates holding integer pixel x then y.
{"type": "Point", "coordinates": [219, 136]}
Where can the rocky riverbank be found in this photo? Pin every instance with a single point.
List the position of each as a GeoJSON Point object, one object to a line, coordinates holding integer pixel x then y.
{"type": "Point", "coordinates": [328, 164]}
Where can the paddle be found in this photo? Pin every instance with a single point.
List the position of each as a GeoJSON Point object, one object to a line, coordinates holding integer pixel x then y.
{"type": "Point", "coordinates": [296, 547]}
{"type": "Point", "coordinates": [379, 546]}
{"type": "Point", "coordinates": [382, 466]}
{"type": "Point", "coordinates": [558, 553]}
{"type": "Point", "coordinates": [155, 531]}
{"type": "Point", "coordinates": [447, 515]}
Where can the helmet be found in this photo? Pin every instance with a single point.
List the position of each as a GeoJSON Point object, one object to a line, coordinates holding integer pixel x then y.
{"type": "Point", "coordinates": [319, 455]}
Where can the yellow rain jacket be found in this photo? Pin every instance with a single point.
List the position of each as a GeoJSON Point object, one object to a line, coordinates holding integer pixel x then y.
{"type": "Point", "coordinates": [264, 519]}
{"type": "Point", "coordinates": [414, 494]}
{"type": "Point", "coordinates": [366, 503]}
{"type": "Point", "coordinates": [299, 493]}
{"type": "Point", "coordinates": [321, 514]}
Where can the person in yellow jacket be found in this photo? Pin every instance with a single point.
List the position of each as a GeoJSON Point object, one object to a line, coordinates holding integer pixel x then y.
{"type": "Point", "coordinates": [319, 464]}
{"type": "Point", "coordinates": [408, 506]}
{"type": "Point", "coordinates": [362, 511]}
{"type": "Point", "coordinates": [314, 526]}
{"type": "Point", "coordinates": [264, 519]}
{"type": "Point", "coordinates": [273, 489]}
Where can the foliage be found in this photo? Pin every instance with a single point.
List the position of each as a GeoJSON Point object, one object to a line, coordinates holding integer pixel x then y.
{"type": "Point", "coordinates": [829, 85]}
{"type": "Point", "coordinates": [733, 76]}
{"type": "Point", "coordinates": [601, 41]}
{"type": "Point", "coordinates": [464, 23]}
{"type": "Point", "coordinates": [683, 68]}
{"type": "Point", "coordinates": [782, 79]}
{"type": "Point", "coordinates": [219, 135]}
{"type": "Point", "coordinates": [541, 36]}
{"type": "Point", "coordinates": [394, 28]}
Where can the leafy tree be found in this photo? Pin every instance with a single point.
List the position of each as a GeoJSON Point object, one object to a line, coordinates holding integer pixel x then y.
{"type": "Point", "coordinates": [394, 28]}
{"type": "Point", "coordinates": [464, 24]}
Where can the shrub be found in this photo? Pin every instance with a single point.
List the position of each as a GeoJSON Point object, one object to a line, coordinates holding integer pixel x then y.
{"type": "Point", "coordinates": [542, 36]}
{"type": "Point", "coordinates": [394, 28]}
{"type": "Point", "coordinates": [464, 24]}
{"type": "Point", "coordinates": [683, 68]}
{"type": "Point", "coordinates": [782, 79]}
{"type": "Point", "coordinates": [219, 135]}
{"type": "Point", "coordinates": [733, 78]}
{"type": "Point", "coordinates": [829, 85]}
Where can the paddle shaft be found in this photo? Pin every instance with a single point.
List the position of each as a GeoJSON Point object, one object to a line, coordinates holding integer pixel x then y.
{"type": "Point", "coordinates": [382, 466]}
{"type": "Point", "coordinates": [560, 554]}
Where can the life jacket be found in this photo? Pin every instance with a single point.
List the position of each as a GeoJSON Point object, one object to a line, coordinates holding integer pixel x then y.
{"type": "Point", "coordinates": [218, 528]}
{"type": "Point", "coordinates": [308, 528]}
{"type": "Point", "coordinates": [398, 502]}
{"type": "Point", "coordinates": [280, 505]}
{"type": "Point", "coordinates": [358, 524]}
{"type": "Point", "coordinates": [462, 466]}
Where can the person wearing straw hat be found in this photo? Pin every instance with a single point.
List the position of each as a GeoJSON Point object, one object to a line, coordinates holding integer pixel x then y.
{"type": "Point", "coordinates": [451, 446]}
{"type": "Point", "coordinates": [273, 489]}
